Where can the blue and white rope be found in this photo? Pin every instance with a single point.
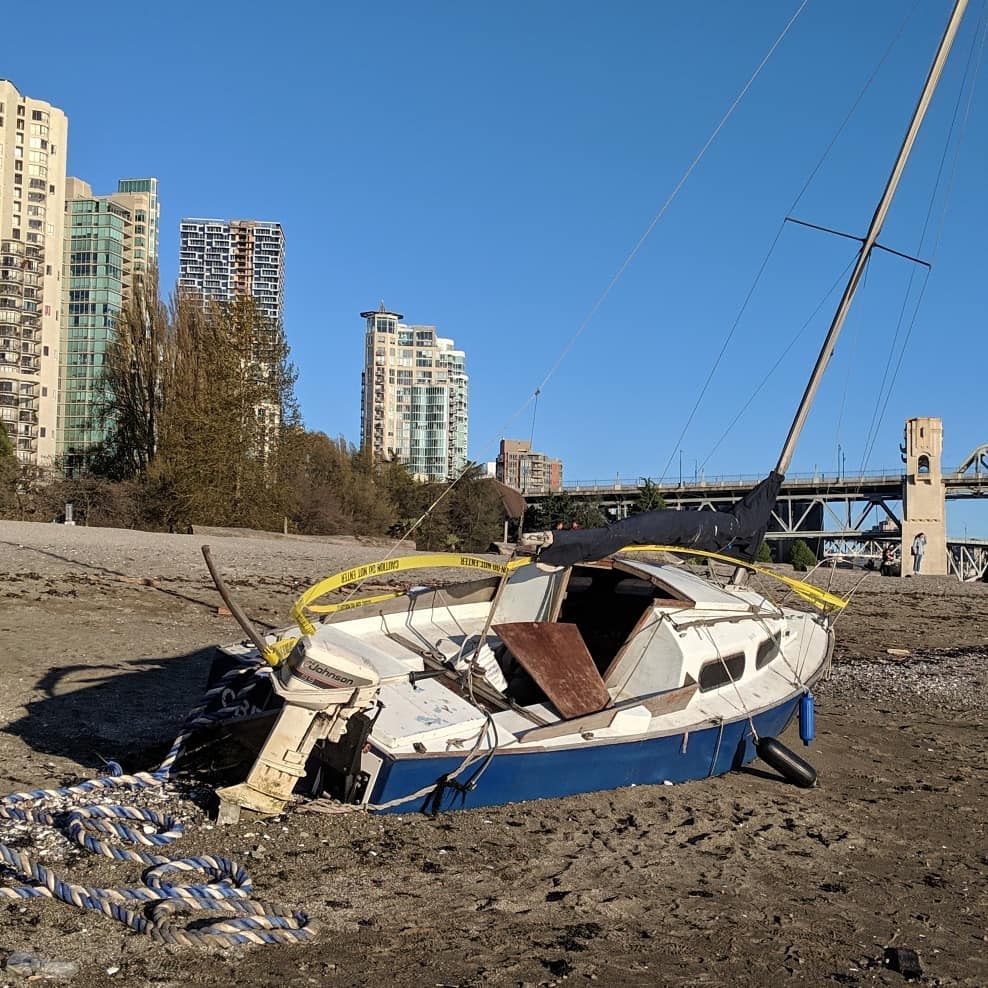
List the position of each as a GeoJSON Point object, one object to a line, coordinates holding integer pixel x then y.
{"type": "Point", "coordinates": [226, 889]}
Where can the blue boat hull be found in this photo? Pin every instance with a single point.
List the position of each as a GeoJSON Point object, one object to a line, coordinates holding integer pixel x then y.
{"type": "Point", "coordinates": [515, 775]}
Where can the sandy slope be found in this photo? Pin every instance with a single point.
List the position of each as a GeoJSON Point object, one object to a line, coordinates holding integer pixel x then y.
{"type": "Point", "coordinates": [104, 641]}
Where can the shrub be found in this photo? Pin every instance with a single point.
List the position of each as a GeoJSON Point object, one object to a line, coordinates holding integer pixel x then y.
{"type": "Point", "coordinates": [764, 554]}
{"type": "Point", "coordinates": [801, 556]}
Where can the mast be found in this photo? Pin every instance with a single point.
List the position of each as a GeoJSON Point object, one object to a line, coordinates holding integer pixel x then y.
{"type": "Point", "coordinates": [871, 238]}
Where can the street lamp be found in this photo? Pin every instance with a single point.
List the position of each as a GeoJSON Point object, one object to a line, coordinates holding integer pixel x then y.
{"type": "Point", "coordinates": [680, 468]}
{"type": "Point", "coordinates": [840, 457]}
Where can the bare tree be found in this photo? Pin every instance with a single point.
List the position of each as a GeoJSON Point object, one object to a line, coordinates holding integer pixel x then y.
{"type": "Point", "coordinates": [132, 385]}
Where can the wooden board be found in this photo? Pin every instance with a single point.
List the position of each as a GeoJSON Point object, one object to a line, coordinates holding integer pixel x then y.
{"type": "Point", "coordinates": [556, 657]}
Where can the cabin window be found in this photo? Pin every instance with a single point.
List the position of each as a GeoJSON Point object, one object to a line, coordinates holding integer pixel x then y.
{"type": "Point", "coordinates": [767, 651]}
{"type": "Point", "coordinates": [719, 672]}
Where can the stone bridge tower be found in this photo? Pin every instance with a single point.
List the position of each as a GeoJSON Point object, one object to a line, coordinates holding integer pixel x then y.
{"type": "Point", "coordinates": [923, 501]}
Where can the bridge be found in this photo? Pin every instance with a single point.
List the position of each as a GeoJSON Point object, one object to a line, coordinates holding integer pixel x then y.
{"type": "Point", "coordinates": [848, 517]}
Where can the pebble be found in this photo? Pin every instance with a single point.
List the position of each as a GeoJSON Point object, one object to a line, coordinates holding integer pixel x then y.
{"type": "Point", "coordinates": [942, 681]}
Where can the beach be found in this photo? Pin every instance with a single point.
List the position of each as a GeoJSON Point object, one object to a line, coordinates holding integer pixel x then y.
{"type": "Point", "coordinates": [105, 644]}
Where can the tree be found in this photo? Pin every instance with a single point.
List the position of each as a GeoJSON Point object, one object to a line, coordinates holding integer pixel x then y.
{"type": "Point", "coordinates": [561, 509]}
{"type": "Point", "coordinates": [801, 556]}
{"type": "Point", "coordinates": [228, 394]}
{"type": "Point", "coordinates": [649, 497]}
{"type": "Point", "coordinates": [476, 512]}
{"type": "Point", "coordinates": [9, 471]}
{"type": "Point", "coordinates": [199, 407]}
{"type": "Point", "coordinates": [588, 515]}
{"type": "Point", "coordinates": [550, 511]}
{"type": "Point", "coordinates": [133, 385]}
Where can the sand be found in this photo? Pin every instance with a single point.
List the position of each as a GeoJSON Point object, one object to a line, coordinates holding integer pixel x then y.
{"type": "Point", "coordinates": [742, 880]}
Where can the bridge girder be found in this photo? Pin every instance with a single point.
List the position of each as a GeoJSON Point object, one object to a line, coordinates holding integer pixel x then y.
{"type": "Point", "coordinates": [976, 462]}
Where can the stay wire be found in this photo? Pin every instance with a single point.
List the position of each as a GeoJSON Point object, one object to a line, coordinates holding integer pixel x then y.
{"type": "Point", "coordinates": [879, 413]}
{"type": "Point", "coordinates": [842, 407]}
{"type": "Point", "coordinates": [533, 398]}
{"type": "Point", "coordinates": [799, 195]}
{"type": "Point", "coordinates": [782, 356]}
{"type": "Point", "coordinates": [669, 200]}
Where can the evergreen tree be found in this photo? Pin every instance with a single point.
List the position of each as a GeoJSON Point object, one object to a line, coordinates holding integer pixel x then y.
{"type": "Point", "coordinates": [9, 472]}
{"type": "Point", "coordinates": [801, 556]}
{"type": "Point", "coordinates": [648, 498]}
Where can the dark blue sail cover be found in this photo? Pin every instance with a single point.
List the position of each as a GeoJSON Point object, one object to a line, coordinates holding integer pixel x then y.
{"type": "Point", "coordinates": [738, 532]}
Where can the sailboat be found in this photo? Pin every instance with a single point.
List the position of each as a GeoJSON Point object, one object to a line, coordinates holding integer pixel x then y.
{"type": "Point", "coordinates": [583, 667]}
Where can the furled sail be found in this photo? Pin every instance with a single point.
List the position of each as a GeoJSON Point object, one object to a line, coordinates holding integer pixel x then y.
{"type": "Point", "coordinates": [738, 532]}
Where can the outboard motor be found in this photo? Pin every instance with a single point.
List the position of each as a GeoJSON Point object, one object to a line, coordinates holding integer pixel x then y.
{"type": "Point", "coordinates": [322, 686]}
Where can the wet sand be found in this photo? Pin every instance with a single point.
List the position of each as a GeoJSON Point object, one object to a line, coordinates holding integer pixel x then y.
{"type": "Point", "coordinates": [743, 880]}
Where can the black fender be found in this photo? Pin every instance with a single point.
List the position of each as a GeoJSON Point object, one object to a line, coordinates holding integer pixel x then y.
{"type": "Point", "coordinates": [786, 762]}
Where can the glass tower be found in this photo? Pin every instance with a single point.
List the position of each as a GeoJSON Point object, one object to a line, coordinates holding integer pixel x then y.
{"type": "Point", "coordinates": [109, 243]}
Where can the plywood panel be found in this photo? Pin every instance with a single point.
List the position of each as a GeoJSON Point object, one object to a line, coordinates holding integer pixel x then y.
{"type": "Point", "coordinates": [556, 657]}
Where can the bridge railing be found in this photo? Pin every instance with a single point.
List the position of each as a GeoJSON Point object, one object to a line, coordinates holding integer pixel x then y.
{"type": "Point", "coordinates": [731, 480]}
{"type": "Point", "coordinates": [744, 480]}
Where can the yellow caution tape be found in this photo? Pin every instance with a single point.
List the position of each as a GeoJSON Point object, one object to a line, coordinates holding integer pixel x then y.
{"type": "Point", "coordinates": [384, 567]}
{"type": "Point", "coordinates": [821, 598]}
{"type": "Point", "coordinates": [278, 652]}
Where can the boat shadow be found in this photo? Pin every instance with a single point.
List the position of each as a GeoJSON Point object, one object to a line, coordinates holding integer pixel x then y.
{"type": "Point", "coordinates": [97, 713]}
{"type": "Point", "coordinates": [761, 773]}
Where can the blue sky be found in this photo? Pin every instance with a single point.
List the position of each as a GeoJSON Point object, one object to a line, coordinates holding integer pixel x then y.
{"type": "Point", "coordinates": [486, 168]}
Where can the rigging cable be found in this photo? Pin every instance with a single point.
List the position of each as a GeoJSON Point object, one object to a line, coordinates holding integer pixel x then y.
{"type": "Point", "coordinates": [744, 305]}
{"type": "Point", "coordinates": [669, 200]}
{"type": "Point", "coordinates": [614, 280]}
{"type": "Point", "coordinates": [535, 412]}
{"type": "Point", "coordinates": [842, 277]}
{"type": "Point", "coordinates": [879, 415]}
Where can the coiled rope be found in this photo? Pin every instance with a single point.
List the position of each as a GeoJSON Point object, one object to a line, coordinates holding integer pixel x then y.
{"type": "Point", "coordinates": [226, 887]}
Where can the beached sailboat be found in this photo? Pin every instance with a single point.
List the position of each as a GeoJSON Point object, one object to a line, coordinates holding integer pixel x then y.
{"type": "Point", "coordinates": [581, 668]}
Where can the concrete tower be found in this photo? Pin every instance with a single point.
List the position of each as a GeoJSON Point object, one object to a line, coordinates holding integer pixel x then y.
{"type": "Point", "coordinates": [923, 501]}
{"type": "Point", "coordinates": [33, 137]}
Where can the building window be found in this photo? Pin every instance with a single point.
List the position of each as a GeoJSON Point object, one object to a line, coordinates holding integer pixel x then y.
{"type": "Point", "coordinates": [42, 432]}
{"type": "Point", "coordinates": [44, 351]}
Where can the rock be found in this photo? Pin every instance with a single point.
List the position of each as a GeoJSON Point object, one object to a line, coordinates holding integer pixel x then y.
{"type": "Point", "coordinates": [904, 960]}
{"type": "Point", "coordinates": [34, 966]}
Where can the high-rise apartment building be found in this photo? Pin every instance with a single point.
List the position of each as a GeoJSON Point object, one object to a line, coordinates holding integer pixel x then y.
{"type": "Point", "coordinates": [110, 241]}
{"type": "Point", "coordinates": [527, 471]}
{"type": "Point", "coordinates": [414, 393]}
{"type": "Point", "coordinates": [140, 196]}
{"type": "Point", "coordinates": [33, 136]}
{"type": "Point", "coordinates": [223, 259]}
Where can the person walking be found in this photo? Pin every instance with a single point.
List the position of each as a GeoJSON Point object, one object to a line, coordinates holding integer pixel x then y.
{"type": "Point", "coordinates": [919, 547]}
